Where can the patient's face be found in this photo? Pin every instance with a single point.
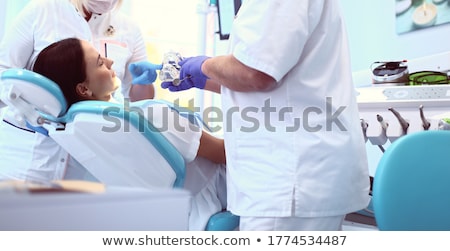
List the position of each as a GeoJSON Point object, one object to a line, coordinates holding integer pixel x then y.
{"type": "Point", "coordinates": [101, 79]}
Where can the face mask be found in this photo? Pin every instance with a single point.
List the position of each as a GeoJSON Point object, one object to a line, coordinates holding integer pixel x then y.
{"type": "Point", "coordinates": [100, 6]}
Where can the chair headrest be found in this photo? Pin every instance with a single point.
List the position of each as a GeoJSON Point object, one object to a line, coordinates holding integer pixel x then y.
{"type": "Point", "coordinates": [38, 91]}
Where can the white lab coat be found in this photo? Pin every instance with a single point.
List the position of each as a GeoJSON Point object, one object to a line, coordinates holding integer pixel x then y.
{"type": "Point", "coordinates": [293, 163]}
{"type": "Point", "coordinates": [119, 39]}
{"type": "Point", "coordinates": [27, 155]}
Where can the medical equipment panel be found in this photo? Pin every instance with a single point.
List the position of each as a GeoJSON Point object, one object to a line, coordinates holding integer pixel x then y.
{"type": "Point", "coordinates": [388, 112]}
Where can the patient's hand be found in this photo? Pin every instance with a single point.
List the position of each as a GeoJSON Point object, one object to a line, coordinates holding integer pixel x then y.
{"type": "Point", "coordinates": [212, 148]}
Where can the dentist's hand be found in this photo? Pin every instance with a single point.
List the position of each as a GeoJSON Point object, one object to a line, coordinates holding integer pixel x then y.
{"type": "Point", "coordinates": [191, 75]}
{"type": "Point", "coordinates": [144, 73]}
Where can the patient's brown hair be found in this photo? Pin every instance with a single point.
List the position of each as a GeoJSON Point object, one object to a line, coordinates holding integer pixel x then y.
{"type": "Point", "coordinates": [63, 62]}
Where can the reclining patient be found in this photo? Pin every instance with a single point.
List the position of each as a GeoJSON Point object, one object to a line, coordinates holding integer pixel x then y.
{"type": "Point", "coordinates": [82, 74]}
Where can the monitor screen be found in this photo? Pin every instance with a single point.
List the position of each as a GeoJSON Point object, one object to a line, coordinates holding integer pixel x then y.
{"type": "Point", "coordinates": [227, 10]}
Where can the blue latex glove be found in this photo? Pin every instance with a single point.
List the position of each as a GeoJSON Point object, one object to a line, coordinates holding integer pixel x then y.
{"type": "Point", "coordinates": [144, 73]}
{"type": "Point", "coordinates": [191, 75]}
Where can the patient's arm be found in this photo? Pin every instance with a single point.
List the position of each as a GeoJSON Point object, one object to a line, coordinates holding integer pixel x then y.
{"type": "Point", "coordinates": [211, 148]}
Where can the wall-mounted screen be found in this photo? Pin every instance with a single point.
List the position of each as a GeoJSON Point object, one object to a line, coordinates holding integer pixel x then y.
{"type": "Point", "coordinates": [227, 10]}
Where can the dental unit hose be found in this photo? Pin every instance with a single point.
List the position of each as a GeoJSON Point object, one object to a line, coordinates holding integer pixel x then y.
{"type": "Point", "coordinates": [403, 123]}
{"type": "Point", "coordinates": [384, 126]}
{"type": "Point", "coordinates": [425, 123]}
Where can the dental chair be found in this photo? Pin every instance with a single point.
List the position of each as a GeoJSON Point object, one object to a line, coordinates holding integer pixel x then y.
{"type": "Point", "coordinates": [101, 136]}
{"type": "Point", "coordinates": [412, 182]}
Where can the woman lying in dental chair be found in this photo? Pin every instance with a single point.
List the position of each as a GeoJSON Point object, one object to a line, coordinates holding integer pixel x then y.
{"type": "Point", "coordinates": [83, 74]}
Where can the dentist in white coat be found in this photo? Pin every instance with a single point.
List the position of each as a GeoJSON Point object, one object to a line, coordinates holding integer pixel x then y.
{"type": "Point", "coordinates": [120, 39]}
{"type": "Point", "coordinates": [296, 157]}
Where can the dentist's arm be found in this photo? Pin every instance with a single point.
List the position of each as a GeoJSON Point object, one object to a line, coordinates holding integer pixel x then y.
{"type": "Point", "coordinates": [231, 73]}
{"type": "Point", "coordinates": [210, 73]}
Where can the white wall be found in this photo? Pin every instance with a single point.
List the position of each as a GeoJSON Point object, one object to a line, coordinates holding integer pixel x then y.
{"type": "Point", "coordinates": [3, 6]}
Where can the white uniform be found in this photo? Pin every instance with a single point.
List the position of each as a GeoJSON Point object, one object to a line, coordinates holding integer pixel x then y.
{"type": "Point", "coordinates": [119, 39]}
{"type": "Point", "coordinates": [27, 155]}
{"type": "Point", "coordinates": [304, 155]}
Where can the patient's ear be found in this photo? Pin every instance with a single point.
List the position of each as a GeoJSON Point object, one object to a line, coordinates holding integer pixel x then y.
{"type": "Point", "coordinates": [83, 90]}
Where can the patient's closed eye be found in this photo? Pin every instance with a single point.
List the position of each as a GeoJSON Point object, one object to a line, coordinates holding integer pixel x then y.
{"type": "Point", "coordinates": [100, 61]}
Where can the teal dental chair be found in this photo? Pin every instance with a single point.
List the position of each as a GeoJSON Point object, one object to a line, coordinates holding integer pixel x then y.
{"type": "Point", "coordinates": [39, 104]}
{"type": "Point", "coordinates": [412, 182]}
